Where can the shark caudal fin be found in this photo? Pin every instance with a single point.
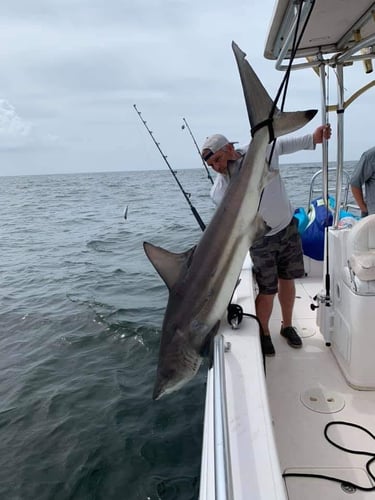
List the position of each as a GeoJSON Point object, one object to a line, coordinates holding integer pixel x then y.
{"type": "Point", "coordinates": [260, 105]}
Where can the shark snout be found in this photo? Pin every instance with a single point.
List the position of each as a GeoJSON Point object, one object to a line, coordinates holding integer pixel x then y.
{"type": "Point", "coordinates": [179, 361]}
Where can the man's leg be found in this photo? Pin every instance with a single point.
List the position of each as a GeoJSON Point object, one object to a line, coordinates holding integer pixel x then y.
{"type": "Point", "coordinates": [290, 266]}
{"type": "Point", "coordinates": [263, 308]}
{"type": "Point", "coordinates": [263, 254]}
{"type": "Point", "coordinates": [287, 294]}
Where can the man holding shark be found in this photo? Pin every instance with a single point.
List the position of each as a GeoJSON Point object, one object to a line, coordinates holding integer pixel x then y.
{"type": "Point", "coordinates": [277, 256]}
{"type": "Point", "coordinates": [201, 280]}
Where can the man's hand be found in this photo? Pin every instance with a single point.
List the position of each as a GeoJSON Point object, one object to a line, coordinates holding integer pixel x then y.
{"type": "Point", "coordinates": [322, 132]}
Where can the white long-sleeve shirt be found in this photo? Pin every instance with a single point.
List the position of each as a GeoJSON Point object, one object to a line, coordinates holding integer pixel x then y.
{"type": "Point", "coordinates": [275, 207]}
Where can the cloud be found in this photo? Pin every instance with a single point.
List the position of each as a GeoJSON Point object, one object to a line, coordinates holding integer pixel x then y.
{"type": "Point", "coordinates": [73, 70]}
{"type": "Point", "coordinates": [17, 133]}
{"type": "Point", "coordinates": [11, 124]}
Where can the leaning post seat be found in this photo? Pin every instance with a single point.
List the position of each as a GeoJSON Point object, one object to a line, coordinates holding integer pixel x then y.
{"type": "Point", "coordinates": [360, 273]}
{"type": "Point", "coordinates": [353, 336]}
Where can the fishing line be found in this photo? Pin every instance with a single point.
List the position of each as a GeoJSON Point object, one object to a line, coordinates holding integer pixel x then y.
{"type": "Point", "coordinates": [186, 195]}
{"type": "Point", "coordinates": [197, 147]}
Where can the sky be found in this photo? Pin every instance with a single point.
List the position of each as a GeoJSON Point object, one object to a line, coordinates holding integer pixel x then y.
{"type": "Point", "coordinates": [72, 70]}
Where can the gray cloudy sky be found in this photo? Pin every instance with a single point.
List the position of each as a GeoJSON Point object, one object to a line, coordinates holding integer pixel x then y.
{"type": "Point", "coordinates": [71, 70]}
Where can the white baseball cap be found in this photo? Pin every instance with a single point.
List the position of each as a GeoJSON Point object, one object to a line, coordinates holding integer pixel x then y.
{"type": "Point", "coordinates": [213, 143]}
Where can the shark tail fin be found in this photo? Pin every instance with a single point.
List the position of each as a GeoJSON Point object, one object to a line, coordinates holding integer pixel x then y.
{"type": "Point", "coordinates": [260, 107]}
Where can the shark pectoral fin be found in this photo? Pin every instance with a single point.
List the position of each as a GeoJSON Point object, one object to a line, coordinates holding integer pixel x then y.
{"type": "Point", "coordinates": [168, 264]}
{"type": "Point", "coordinates": [207, 347]}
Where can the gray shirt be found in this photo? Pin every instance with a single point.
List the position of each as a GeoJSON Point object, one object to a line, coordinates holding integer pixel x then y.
{"type": "Point", "coordinates": [275, 207]}
{"type": "Point", "coordinates": [364, 173]}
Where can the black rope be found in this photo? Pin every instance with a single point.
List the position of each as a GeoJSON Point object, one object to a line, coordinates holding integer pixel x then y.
{"type": "Point", "coordinates": [265, 123]}
{"type": "Point", "coordinates": [348, 450]}
{"type": "Point", "coordinates": [293, 52]}
{"type": "Point", "coordinates": [285, 82]}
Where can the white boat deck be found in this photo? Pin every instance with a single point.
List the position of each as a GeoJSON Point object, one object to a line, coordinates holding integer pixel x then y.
{"type": "Point", "coordinates": [307, 390]}
{"type": "Point", "coordinates": [276, 423]}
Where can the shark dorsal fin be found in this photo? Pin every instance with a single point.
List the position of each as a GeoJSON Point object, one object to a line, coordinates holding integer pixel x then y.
{"type": "Point", "coordinates": [168, 264]}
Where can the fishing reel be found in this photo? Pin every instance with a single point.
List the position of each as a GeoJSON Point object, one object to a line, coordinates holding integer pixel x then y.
{"type": "Point", "coordinates": [234, 315]}
{"type": "Point", "coordinates": [320, 298]}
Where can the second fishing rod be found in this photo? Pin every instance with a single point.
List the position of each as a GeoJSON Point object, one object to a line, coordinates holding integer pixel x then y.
{"type": "Point", "coordinates": [185, 124]}
{"type": "Point", "coordinates": [186, 195]}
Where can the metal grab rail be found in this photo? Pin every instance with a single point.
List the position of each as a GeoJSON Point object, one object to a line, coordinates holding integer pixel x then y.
{"type": "Point", "coordinates": [223, 472]}
{"type": "Point", "coordinates": [344, 187]}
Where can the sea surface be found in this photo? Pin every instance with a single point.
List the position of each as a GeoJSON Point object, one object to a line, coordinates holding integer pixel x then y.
{"type": "Point", "coordinates": [81, 310]}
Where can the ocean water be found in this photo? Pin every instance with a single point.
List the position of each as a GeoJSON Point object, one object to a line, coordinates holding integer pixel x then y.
{"type": "Point", "coordinates": [80, 319]}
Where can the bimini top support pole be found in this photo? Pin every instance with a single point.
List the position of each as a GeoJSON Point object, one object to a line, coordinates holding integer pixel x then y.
{"type": "Point", "coordinates": [340, 140]}
{"type": "Point", "coordinates": [323, 92]}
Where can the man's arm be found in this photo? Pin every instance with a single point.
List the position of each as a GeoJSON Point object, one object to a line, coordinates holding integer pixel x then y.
{"type": "Point", "coordinates": [360, 175]}
{"type": "Point", "coordinates": [293, 144]}
{"type": "Point", "coordinates": [358, 196]}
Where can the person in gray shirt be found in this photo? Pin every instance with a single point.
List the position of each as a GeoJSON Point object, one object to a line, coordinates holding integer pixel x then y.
{"type": "Point", "coordinates": [364, 174]}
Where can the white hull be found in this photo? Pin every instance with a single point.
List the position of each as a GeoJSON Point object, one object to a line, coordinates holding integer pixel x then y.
{"type": "Point", "coordinates": [254, 461]}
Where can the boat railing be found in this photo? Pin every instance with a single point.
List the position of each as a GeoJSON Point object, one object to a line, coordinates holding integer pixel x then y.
{"type": "Point", "coordinates": [223, 471]}
{"type": "Point", "coordinates": [344, 187]}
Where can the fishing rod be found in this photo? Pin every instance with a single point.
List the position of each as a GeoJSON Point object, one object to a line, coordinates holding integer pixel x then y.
{"type": "Point", "coordinates": [196, 145]}
{"type": "Point", "coordinates": [187, 195]}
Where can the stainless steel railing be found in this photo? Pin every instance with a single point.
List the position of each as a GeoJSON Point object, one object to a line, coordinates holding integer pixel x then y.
{"type": "Point", "coordinates": [223, 471]}
{"type": "Point", "coordinates": [331, 190]}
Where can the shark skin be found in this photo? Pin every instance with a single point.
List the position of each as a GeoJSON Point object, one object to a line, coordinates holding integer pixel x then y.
{"type": "Point", "coordinates": [201, 281]}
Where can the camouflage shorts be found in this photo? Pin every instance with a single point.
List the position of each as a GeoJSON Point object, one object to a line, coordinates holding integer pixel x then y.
{"type": "Point", "coordinates": [277, 256]}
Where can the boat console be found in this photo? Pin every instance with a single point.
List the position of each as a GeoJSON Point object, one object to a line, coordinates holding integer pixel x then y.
{"type": "Point", "coordinates": [348, 322]}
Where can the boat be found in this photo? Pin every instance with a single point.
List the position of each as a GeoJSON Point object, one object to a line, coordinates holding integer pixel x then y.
{"type": "Point", "coordinates": [301, 425]}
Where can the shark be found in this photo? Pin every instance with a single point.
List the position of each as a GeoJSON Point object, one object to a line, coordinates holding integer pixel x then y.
{"type": "Point", "coordinates": [202, 279]}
